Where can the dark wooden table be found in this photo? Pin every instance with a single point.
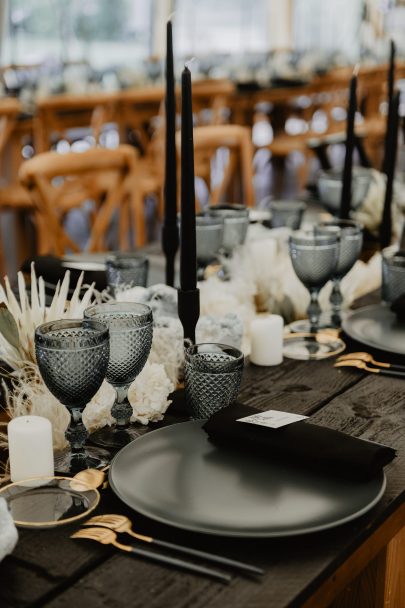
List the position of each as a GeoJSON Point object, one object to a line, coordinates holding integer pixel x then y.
{"type": "Point", "coordinates": [358, 564]}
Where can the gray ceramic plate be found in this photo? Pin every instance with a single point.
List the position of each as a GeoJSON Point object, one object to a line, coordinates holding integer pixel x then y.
{"type": "Point", "coordinates": [378, 327]}
{"type": "Point", "coordinates": [176, 476]}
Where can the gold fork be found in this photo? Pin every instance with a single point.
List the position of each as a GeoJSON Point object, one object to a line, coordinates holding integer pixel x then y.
{"type": "Point", "coordinates": [370, 359]}
{"type": "Point", "coordinates": [106, 536]}
{"type": "Point", "coordinates": [374, 370]}
{"type": "Point", "coordinates": [122, 524]}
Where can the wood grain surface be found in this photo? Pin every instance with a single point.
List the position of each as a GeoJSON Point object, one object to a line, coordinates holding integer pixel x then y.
{"type": "Point", "coordinates": [48, 568]}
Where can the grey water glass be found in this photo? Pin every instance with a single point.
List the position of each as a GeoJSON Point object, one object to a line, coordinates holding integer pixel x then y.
{"type": "Point", "coordinates": [209, 236]}
{"type": "Point", "coordinates": [393, 274]}
{"type": "Point", "coordinates": [286, 213]}
{"type": "Point", "coordinates": [314, 258]}
{"type": "Point", "coordinates": [131, 331]}
{"type": "Point", "coordinates": [72, 357]}
{"type": "Point", "coordinates": [126, 270]}
{"type": "Point", "coordinates": [350, 234]}
{"type": "Point", "coordinates": [213, 374]}
{"type": "Point", "coordinates": [236, 223]}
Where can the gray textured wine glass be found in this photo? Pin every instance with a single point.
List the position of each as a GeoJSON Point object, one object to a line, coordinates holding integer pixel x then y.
{"type": "Point", "coordinates": [131, 331]}
{"type": "Point", "coordinates": [314, 258]}
{"type": "Point", "coordinates": [213, 374]}
{"type": "Point", "coordinates": [126, 270]}
{"type": "Point", "coordinates": [286, 213]}
{"type": "Point", "coordinates": [350, 234]}
{"type": "Point", "coordinates": [72, 356]}
{"type": "Point", "coordinates": [393, 274]}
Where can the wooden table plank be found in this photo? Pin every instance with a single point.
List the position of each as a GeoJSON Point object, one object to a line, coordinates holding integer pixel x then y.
{"type": "Point", "coordinates": [295, 568]}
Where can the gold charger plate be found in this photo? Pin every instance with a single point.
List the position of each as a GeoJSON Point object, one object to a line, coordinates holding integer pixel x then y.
{"type": "Point", "coordinates": [46, 502]}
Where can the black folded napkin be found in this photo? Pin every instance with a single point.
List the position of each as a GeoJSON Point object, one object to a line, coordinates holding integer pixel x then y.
{"type": "Point", "coordinates": [50, 268]}
{"type": "Point", "coordinates": [399, 307]}
{"type": "Point", "coordinates": [300, 443]}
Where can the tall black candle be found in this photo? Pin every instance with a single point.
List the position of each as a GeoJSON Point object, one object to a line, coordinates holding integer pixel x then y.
{"type": "Point", "coordinates": [188, 258]}
{"type": "Point", "coordinates": [390, 95]}
{"type": "Point", "coordinates": [346, 196]}
{"type": "Point", "coordinates": [386, 220]}
{"type": "Point", "coordinates": [188, 295]}
{"type": "Point", "coordinates": [170, 233]}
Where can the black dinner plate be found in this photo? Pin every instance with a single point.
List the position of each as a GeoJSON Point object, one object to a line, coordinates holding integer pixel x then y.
{"type": "Point", "coordinates": [378, 327]}
{"type": "Point", "coordinates": [175, 475]}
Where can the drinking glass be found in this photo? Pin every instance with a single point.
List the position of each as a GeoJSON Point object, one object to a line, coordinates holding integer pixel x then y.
{"type": "Point", "coordinates": [209, 235]}
{"type": "Point", "coordinates": [131, 330]}
{"type": "Point", "coordinates": [72, 357]}
{"type": "Point", "coordinates": [314, 258]}
{"type": "Point", "coordinates": [236, 223]}
{"type": "Point", "coordinates": [213, 374]}
{"type": "Point", "coordinates": [126, 270]}
{"type": "Point", "coordinates": [350, 234]}
{"type": "Point", "coordinates": [286, 213]}
{"type": "Point", "coordinates": [393, 274]}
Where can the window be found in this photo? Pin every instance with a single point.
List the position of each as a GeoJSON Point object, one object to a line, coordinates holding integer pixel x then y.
{"type": "Point", "coordinates": [102, 32]}
{"type": "Point", "coordinates": [205, 27]}
{"type": "Point", "coordinates": [331, 25]}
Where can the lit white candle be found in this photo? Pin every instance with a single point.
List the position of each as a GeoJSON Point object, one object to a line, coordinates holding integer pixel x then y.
{"type": "Point", "coordinates": [266, 336]}
{"type": "Point", "coordinates": [30, 447]}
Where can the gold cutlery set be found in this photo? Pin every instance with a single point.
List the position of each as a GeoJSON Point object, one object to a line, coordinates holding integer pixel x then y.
{"type": "Point", "coordinates": [105, 528]}
{"type": "Point", "coordinates": [367, 363]}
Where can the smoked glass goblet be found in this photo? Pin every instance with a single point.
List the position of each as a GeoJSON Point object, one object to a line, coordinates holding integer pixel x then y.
{"type": "Point", "coordinates": [126, 270]}
{"type": "Point", "coordinates": [314, 258]}
{"type": "Point", "coordinates": [350, 234]}
{"type": "Point", "coordinates": [131, 331]}
{"type": "Point", "coordinates": [213, 374]}
{"type": "Point", "coordinates": [72, 356]}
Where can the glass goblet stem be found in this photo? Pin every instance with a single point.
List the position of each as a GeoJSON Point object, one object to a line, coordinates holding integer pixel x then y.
{"type": "Point", "coordinates": [336, 298]}
{"type": "Point", "coordinates": [122, 409]}
{"type": "Point", "coordinates": [314, 310]}
{"type": "Point", "coordinates": [76, 433]}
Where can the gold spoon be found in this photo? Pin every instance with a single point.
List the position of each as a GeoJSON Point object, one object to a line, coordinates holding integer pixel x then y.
{"type": "Point", "coordinates": [123, 525]}
{"type": "Point", "coordinates": [92, 478]}
{"type": "Point", "coordinates": [369, 359]}
{"type": "Point", "coordinates": [362, 365]}
{"type": "Point", "coordinates": [108, 537]}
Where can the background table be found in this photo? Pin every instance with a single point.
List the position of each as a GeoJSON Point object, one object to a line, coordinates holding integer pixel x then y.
{"type": "Point", "coordinates": [359, 564]}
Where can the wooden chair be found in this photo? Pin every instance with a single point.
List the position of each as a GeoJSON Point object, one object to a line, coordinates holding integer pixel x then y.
{"type": "Point", "coordinates": [57, 114]}
{"type": "Point", "coordinates": [238, 140]}
{"type": "Point", "coordinates": [58, 183]}
{"type": "Point", "coordinates": [13, 197]}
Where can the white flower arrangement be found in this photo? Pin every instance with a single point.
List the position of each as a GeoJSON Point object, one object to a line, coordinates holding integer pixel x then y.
{"type": "Point", "coordinates": [28, 393]}
{"type": "Point", "coordinates": [148, 393]}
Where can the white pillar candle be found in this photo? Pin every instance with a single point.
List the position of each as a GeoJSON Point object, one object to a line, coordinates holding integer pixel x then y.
{"type": "Point", "coordinates": [30, 447]}
{"type": "Point", "coordinates": [266, 340]}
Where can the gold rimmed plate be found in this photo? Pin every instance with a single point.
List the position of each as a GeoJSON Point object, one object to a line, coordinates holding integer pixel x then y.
{"type": "Point", "coordinates": [306, 346]}
{"type": "Point", "coordinates": [46, 502]}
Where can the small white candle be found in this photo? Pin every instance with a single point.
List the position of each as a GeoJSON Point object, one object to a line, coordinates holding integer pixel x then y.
{"type": "Point", "coordinates": [266, 335]}
{"type": "Point", "coordinates": [30, 447]}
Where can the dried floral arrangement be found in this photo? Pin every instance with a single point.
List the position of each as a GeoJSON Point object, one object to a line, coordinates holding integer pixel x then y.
{"type": "Point", "coordinates": [24, 390]}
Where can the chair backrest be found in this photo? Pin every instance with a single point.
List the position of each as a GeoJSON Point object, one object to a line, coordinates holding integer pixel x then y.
{"type": "Point", "coordinates": [238, 140]}
{"type": "Point", "coordinates": [58, 113]}
{"type": "Point", "coordinates": [9, 111]}
{"type": "Point", "coordinates": [60, 182]}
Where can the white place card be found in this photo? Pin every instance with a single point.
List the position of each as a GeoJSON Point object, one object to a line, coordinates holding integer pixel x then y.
{"type": "Point", "coordinates": [273, 419]}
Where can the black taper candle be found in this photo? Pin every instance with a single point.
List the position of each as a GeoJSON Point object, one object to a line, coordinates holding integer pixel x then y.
{"type": "Point", "coordinates": [188, 294]}
{"type": "Point", "coordinates": [386, 220]}
{"type": "Point", "coordinates": [346, 196]}
{"type": "Point", "coordinates": [170, 231]}
{"type": "Point", "coordinates": [390, 96]}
